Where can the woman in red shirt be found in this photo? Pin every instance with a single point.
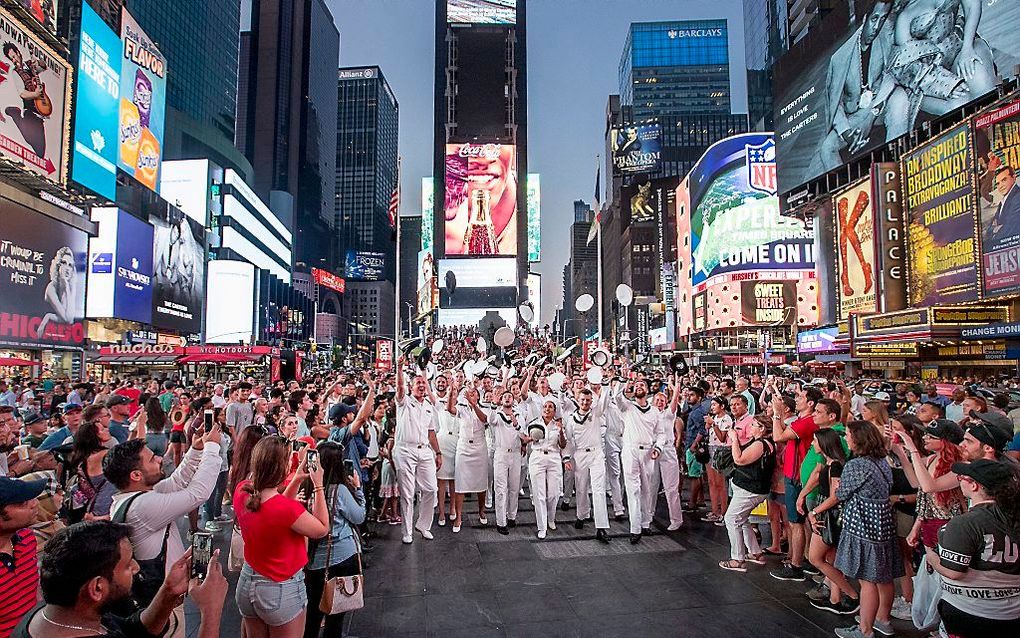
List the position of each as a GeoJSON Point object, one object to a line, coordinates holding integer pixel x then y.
{"type": "Point", "coordinates": [274, 525]}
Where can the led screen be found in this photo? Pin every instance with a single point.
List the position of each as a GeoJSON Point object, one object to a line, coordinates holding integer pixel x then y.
{"type": "Point", "coordinates": [364, 266]}
{"type": "Point", "coordinates": [96, 110]}
{"type": "Point", "coordinates": [481, 199]}
{"type": "Point", "coordinates": [854, 217]}
{"type": "Point", "coordinates": [477, 283]}
{"type": "Point", "coordinates": [481, 11]}
{"type": "Point", "coordinates": [178, 246]}
{"type": "Point", "coordinates": [120, 267]}
{"type": "Point", "coordinates": [997, 149]}
{"type": "Point", "coordinates": [230, 310]}
{"type": "Point", "coordinates": [459, 317]}
{"type": "Point", "coordinates": [534, 217]}
{"type": "Point", "coordinates": [428, 293]}
{"type": "Point", "coordinates": [142, 104]}
{"type": "Point", "coordinates": [636, 149]}
{"type": "Point", "coordinates": [428, 200]}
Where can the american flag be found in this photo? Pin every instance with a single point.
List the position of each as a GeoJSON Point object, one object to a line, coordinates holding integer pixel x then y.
{"type": "Point", "coordinates": [395, 204]}
{"type": "Point", "coordinates": [593, 231]}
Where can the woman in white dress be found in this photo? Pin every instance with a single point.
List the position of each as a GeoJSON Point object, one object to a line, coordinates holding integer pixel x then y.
{"type": "Point", "coordinates": [471, 475]}
{"type": "Point", "coordinates": [447, 431]}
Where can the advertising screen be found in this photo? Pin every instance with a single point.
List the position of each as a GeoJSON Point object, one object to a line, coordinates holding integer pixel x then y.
{"type": "Point", "coordinates": [42, 280]}
{"type": "Point", "coordinates": [428, 201]}
{"type": "Point", "coordinates": [735, 220]}
{"type": "Point", "coordinates": [768, 302]}
{"type": "Point", "coordinates": [477, 283]}
{"type": "Point", "coordinates": [329, 280]}
{"type": "Point", "coordinates": [535, 294]}
{"type": "Point", "coordinates": [854, 217]}
{"type": "Point", "coordinates": [481, 11]}
{"type": "Point", "coordinates": [481, 199]}
{"type": "Point", "coordinates": [185, 184]}
{"type": "Point", "coordinates": [34, 90]}
{"type": "Point", "coordinates": [361, 266]}
{"type": "Point", "coordinates": [474, 317]}
{"type": "Point", "coordinates": [997, 148]}
{"type": "Point", "coordinates": [97, 108]}
{"type": "Point", "coordinates": [178, 255]}
{"type": "Point", "coordinates": [534, 217]}
{"type": "Point", "coordinates": [428, 293]}
{"type": "Point", "coordinates": [817, 341]}
{"type": "Point", "coordinates": [636, 149]}
{"type": "Point", "coordinates": [901, 66]}
{"type": "Point", "coordinates": [142, 104]}
{"type": "Point", "coordinates": [941, 242]}
{"type": "Point", "coordinates": [44, 12]}
{"type": "Point", "coordinates": [120, 267]}
{"type": "Point", "coordinates": [230, 313]}
{"type": "Point", "coordinates": [700, 310]}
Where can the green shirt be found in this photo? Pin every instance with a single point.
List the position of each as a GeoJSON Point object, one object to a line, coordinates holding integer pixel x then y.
{"type": "Point", "coordinates": [166, 401]}
{"type": "Point", "coordinates": [813, 459]}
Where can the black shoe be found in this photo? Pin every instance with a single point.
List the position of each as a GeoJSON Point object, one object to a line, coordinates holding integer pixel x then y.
{"type": "Point", "coordinates": [619, 517]}
{"type": "Point", "coordinates": [646, 530]}
{"type": "Point", "coordinates": [849, 606]}
{"type": "Point", "coordinates": [578, 524]}
{"type": "Point", "coordinates": [827, 605]}
{"type": "Point", "coordinates": [789, 572]}
{"type": "Point", "coordinates": [635, 539]}
{"type": "Point", "coordinates": [565, 505]}
{"type": "Point", "coordinates": [511, 523]}
{"type": "Point", "coordinates": [502, 530]}
{"type": "Point", "coordinates": [602, 536]}
{"type": "Point", "coordinates": [810, 570]}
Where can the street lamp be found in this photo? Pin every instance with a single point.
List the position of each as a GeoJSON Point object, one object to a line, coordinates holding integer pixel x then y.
{"type": "Point", "coordinates": [410, 322]}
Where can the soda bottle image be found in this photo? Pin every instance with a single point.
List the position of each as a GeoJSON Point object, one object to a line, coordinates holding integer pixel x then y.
{"type": "Point", "coordinates": [480, 236]}
{"type": "Point", "coordinates": [130, 133]}
{"type": "Point", "coordinates": [147, 170]}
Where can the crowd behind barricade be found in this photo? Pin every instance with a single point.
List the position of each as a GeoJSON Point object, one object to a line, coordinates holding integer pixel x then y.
{"type": "Point", "coordinates": [898, 504]}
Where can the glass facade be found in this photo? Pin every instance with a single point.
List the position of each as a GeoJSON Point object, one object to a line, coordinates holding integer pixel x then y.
{"type": "Point", "coordinates": [676, 67]}
{"type": "Point", "coordinates": [765, 25]}
{"type": "Point", "coordinates": [366, 163]}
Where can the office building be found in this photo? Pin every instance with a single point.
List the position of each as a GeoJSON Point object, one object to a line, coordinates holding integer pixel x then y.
{"type": "Point", "coordinates": [765, 25]}
{"type": "Point", "coordinates": [366, 163]}
{"type": "Point", "coordinates": [676, 67]}
{"type": "Point", "coordinates": [410, 245]}
{"type": "Point", "coordinates": [583, 271]}
{"type": "Point", "coordinates": [368, 306]}
{"type": "Point", "coordinates": [288, 127]}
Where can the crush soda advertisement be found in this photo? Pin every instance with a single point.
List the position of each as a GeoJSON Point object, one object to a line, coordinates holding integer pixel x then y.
{"type": "Point", "coordinates": [142, 104]}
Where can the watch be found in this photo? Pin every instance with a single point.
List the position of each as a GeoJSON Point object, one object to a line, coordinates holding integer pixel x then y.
{"type": "Point", "coordinates": [901, 499]}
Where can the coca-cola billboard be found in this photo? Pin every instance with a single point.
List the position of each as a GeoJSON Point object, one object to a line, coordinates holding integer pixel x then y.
{"type": "Point", "coordinates": [481, 199]}
{"type": "Point", "coordinates": [42, 280]}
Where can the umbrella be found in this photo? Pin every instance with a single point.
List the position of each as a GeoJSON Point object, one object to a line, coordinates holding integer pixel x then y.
{"type": "Point", "coordinates": [17, 361]}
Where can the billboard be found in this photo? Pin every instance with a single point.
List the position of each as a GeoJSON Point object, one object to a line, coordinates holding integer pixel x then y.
{"type": "Point", "coordinates": [428, 202]}
{"type": "Point", "coordinates": [997, 148]}
{"type": "Point", "coordinates": [142, 104]}
{"type": "Point", "coordinates": [474, 317]}
{"type": "Point", "coordinates": [42, 280]}
{"type": "Point", "coordinates": [44, 12]}
{"type": "Point", "coordinates": [477, 283]}
{"type": "Point", "coordinates": [854, 218]}
{"type": "Point", "coordinates": [97, 107]}
{"type": "Point", "coordinates": [481, 11]}
{"type": "Point", "coordinates": [428, 292]}
{"type": "Point", "coordinates": [817, 341]}
{"type": "Point", "coordinates": [535, 294]}
{"type": "Point", "coordinates": [636, 149]}
{"type": "Point", "coordinates": [735, 220]}
{"type": "Point", "coordinates": [120, 267]}
{"type": "Point", "coordinates": [35, 86]}
{"type": "Point", "coordinates": [230, 310]}
{"type": "Point", "coordinates": [911, 71]}
{"type": "Point", "coordinates": [327, 279]}
{"type": "Point", "coordinates": [772, 303]}
{"type": "Point", "coordinates": [186, 185]}
{"type": "Point", "coordinates": [534, 217]}
{"type": "Point", "coordinates": [178, 255]}
{"type": "Point", "coordinates": [363, 266]}
{"type": "Point", "coordinates": [699, 301]}
{"type": "Point", "coordinates": [649, 202]}
{"type": "Point", "coordinates": [889, 233]}
{"type": "Point", "coordinates": [481, 199]}
{"type": "Point", "coordinates": [941, 227]}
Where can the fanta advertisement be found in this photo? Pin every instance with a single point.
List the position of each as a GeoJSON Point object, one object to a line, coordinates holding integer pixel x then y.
{"type": "Point", "coordinates": [142, 104]}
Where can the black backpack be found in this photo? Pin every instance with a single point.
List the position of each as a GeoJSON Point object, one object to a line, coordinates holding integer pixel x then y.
{"type": "Point", "coordinates": [151, 572]}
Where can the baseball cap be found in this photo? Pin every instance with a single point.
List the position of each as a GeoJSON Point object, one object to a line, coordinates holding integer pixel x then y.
{"type": "Point", "coordinates": [117, 399]}
{"type": "Point", "coordinates": [32, 418]}
{"type": "Point", "coordinates": [340, 410]}
{"type": "Point", "coordinates": [944, 429]}
{"type": "Point", "coordinates": [881, 396]}
{"type": "Point", "coordinates": [995, 428]}
{"type": "Point", "coordinates": [14, 490]}
{"type": "Point", "coordinates": [987, 473]}
{"type": "Point", "coordinates": [68, 408]}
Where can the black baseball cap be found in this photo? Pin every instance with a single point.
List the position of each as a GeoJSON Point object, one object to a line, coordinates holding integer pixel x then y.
{"type": "Point", "coordinates": [995, 429]}
{"type": "Point", "coordinates": [986, 473]}
{"type": "Point", "coordinates": [117, 399]}
{"type": "Point", "coordinates": [944, 429]}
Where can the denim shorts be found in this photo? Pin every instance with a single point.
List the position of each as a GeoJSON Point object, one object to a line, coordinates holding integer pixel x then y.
{"type": "Point", "coordinates": [271, 602]}
{"type": "Point", "coordinates": [791, 495]}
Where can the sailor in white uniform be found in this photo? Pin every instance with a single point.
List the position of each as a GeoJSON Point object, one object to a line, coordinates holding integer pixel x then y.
{"type": "Point", "coordinates": [668, 462]}
{"type": "Point", "coordinates": [613, 427]}
{"type": "Point", "coordinates": [545, 469]}
{"type": "Point", "coordinates": [472, 471]}
{"type": "Point", "coordinates": [642, 432]}
{"type": "Point", "coordinates": [509, 439]}
{"type": "Point", "coordinates": [416, 454]}
{"type": "Point", "coordinates": [585, 459]}
{"type": "Point", "coordinates": [448, 432]}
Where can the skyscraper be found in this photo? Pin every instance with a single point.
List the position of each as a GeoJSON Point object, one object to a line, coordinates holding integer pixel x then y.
{"type": "Point", "coordinates": [366, 163]}
{"type": "Point", "coordinates": [583, 274]}
{"type": "Point", "coordinates": [676, 67]}
{"type": "Point", "coordinates": [289, 124]}
{"type": "Point", "coordinates": [765, 25]}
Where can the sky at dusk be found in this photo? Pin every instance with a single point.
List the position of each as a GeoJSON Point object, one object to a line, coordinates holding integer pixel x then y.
{"type": "Point", "coordinates": [574, 49]}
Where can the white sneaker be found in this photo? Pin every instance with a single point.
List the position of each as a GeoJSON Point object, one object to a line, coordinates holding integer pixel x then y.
{"type": "Point", "coordinates": [552, 524]}
{"type": "Point", "coordinates": [456, 529]}
{"type": "Point", "coordinates": [900, 609]}
{"type": "Point", "coordinates": [541, 534]}
{"type": "Point", "coordinates": [442, 522]}
{"type": "Point", "coordinates": [407, 540]}
{"type": "Point", "coordinates": [483, 520]}
{"type": "Point", "coordinates": [213, 526]}
{"type": "Point", "coordinates": [427, 535]}
{"type": "Point", "coordinates": [674, 527]}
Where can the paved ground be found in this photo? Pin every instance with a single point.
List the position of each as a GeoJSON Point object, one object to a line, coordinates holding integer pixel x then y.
{"type": "Point", "coordinates": [478, 583]}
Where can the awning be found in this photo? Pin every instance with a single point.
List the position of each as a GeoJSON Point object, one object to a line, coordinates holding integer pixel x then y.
{"type": "Point", "coordinates": [139, 359]}
{"type": "Point", "coordinates": [17, 361]}
{"type": "Point", "coordinates": [214, 357]}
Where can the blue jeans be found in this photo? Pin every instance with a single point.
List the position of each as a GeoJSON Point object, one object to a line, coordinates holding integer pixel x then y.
{"type": "Point", "coordinates": [214, 506]}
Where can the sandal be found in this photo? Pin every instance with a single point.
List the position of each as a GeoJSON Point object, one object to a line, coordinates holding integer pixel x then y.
{"type": "Point", "coordinates": [770, 552]}
{"type": "Point", "coordinates": [733, 565]}
{"type": "Point", "coordinates": [757, 559]}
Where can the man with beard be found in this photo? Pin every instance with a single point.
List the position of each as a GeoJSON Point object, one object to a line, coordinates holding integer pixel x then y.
{"type": "Point", "coordinates": [642, 430]}
{"type": "Point", "coordinates": [151, 504]}
{"type": "Point", "coordinates": [585, 457]}
{"type": "Point", "coordinates": [416, 454]}
{"type": "Point", "coordinates": [88, 569]}
{"type": "Point", "coordinates": [508, 440]}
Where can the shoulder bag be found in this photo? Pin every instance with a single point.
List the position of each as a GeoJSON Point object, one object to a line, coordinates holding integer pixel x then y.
{"type": "Point", "coordinates": [342, 593]}
{"type": "Point", "coordinates": [151, 572]}
{"type": "Point", "coordinates": [235, 558]}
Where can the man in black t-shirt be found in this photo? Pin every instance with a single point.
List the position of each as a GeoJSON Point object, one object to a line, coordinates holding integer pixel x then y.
{"type": "Point", "coordinates": [978, 554]}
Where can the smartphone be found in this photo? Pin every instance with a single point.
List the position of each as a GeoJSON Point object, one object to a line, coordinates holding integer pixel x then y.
{"type": "Point", "coordinates": [201, 554]}
{"type": "Point", "coordinates": [208, 418]}
{"type": "Point", "coordinates": [312, 460]}
{"type": "Point", "coordinates": [349, 465]}
{"type": "Point", "coordinates": [297, 445]}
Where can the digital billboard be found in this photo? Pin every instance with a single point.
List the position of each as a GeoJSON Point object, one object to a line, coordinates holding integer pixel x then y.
{"type": "Point", "coordinates": [35, 85]}
{"type": "Point", "coordinates": [230, 310]}
{"type": "Point", "coordinates": [363, 266]}
{"type": "Point", "coordinates": [329, 280]}
{"type": "Point", "coordinates": [854, 217]}
{"type": "Point", "coordinates": [997, 149]}
{"type": "Point", "coordinates": [535, 294]}
{"type": "Point", "coordinates": [44, 12]}
{"type": "Point", "coordinates": [186, 184]}
{"type": "Point", "coordinates": [142, 104]}
{"type": "Point", "coordinates": [428, 203]}
{"type": "Point", "coordinates": [120, 273]}
{"type": "Point", "coordinates": [772, 303]}
{"type": "Point", "coordinates": [534, 217]}
{"type": "Point", "coordinates": [941, 221]}
{"type": "Point", "coordinates": [42, 280]}
{"type": "Point", "coordinates": [475, 317]}
{"type": "Point", "coordinates": [97, 107]}
{"type": "Point", "coordinates": [481, 199]}
{"type": "Point", "coordinates": [906, 63]}
{"type": "Point", "coordinates": [636, 149]}
{"type": "Point", "coordinates": [817, 341]}
{"type": "Point", "coordinates": [428, 292]}
{"type": "Point", "coordinates": [478, 283]}
{"type": "Point", "coordinates": [178, 246]}
{"type": "Point", "coordinates": [735, 220]}
{"type": "Point", "coordinates": [481, 11]}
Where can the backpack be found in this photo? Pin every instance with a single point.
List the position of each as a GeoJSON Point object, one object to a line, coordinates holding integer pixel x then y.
{"type": "Point", "coordinates": [151, 572]}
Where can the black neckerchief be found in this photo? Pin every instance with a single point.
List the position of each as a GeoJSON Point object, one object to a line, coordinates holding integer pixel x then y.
{"type": "Point", "coordinates": [643, 410]}
{"type": "Point", "coordinates": [583, 420]}
{"type": "Point", "coordinates": [508, 420]}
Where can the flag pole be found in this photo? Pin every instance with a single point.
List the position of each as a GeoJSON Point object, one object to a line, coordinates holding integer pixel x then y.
{"type": "Point", "coordinates": [396, 294]}
{"type": "Point", "coordinates": [598, 257]}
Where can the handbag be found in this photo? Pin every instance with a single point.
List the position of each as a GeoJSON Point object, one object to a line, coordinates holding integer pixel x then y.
{"type": "Point", "coordinates": [235, 558]}
{"type": "Point", "coordinates": [831, 526]}
{"type": "Point", "coordinates": [342, 593]}
{"type": "Point", "coordinates": [924, 611]}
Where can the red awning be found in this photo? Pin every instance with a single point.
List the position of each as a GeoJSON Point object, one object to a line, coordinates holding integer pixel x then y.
{"type": "Point", "coordinates": [139, 359]}
{"type": "Point", "coordinates": [214, 357]}
{"type": "Point", "coordinates": [17, 361]}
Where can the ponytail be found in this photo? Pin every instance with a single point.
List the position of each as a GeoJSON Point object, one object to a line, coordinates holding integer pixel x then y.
{"type": "Point", "coordinates": [254, 500]}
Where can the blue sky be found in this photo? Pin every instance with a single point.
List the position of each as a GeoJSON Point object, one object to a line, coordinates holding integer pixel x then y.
{"type": "Point", "coordinates": [574, 49]}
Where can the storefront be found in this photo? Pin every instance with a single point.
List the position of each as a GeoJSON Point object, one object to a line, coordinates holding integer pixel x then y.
{"type": "Point", "coordinates": [148, 360]}
{"type": "Point", "coordinates": [261, 362]}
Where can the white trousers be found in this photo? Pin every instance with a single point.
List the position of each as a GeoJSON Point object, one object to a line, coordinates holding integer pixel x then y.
{"type": "Point", "coordinates": [669, 471]}
{"type": "Point", "coordinates": [742, 538]}
{"type": "Point", "coordinates": [590, 474]}
{"type": "Point", "coordinates": [639, 479]}
{"type": "Point", "coordinates": [545, 471]}
{"type": "Point", "coordinates": [614, 475]}
{"type": "Point", "coordinates": [568, 486]}
{"type": "Point", "coordinates": [416, 469]}
{"type": "Point", "coordinates": [506, 467]}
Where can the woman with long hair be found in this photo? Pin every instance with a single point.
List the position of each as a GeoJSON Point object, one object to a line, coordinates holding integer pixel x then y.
{"type": "Point", "coordinates": [867, 547]}
{"type": "Point", "coordinates": [274, 525]}
{"type": "Point", "coordinates": [155, 427]}
{"type": "Point", "coordinates": [829, 444]}
{"type": "Point", "coordinates": [90, 493]}
{"type": "Point", "coordinates": [877, 413]}
{"type": "Point", "coordinates": [753, 463]}
{"type": "Point", "coordinates": [339, 553]}
{"type": "Point", "coordinates": [719, 424]}
{"type": "Point", "coordinates": [240, 469]}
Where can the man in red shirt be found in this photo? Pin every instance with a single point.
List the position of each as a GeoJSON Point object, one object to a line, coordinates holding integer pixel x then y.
{"type": "Point", "coordinates": [19, 571]}
{"type": "Point", "coordinates": [130, 390]}
{"type": "Point", "coordinates": [798, 436]}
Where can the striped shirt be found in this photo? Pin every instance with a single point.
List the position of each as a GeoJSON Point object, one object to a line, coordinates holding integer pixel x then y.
{"type": "Point", "coordinates": [19, 580]}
